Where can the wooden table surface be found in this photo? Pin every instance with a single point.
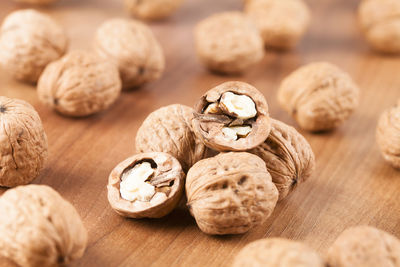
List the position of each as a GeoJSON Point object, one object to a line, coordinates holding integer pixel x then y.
{"type": "Point", "coordinates": [352, 184]}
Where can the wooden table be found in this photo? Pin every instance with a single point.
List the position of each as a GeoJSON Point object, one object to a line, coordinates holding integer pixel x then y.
{"type": "Point", "coordinates": [352, 184]}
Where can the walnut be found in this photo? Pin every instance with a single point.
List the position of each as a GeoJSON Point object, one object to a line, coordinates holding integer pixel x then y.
{"type": "Point", "coordinates": [228, 42]}
{"type": "Point", "coordinates": [288, 156]}
{"type": "Point", "coordinates": [364, 246]}
{"type": "Point", "coordinates": [169, 129]}
{"type": "Point", "coordinates": [152, 9]}
{"type": "Point", "coordinates": [319, 96]}
{"type": "Point", "coordinates": [36, 2]}
{"type": "Point", "coordinates": [275, 252]}
{"type": "Point", "coordinates": [146, 185]}
{"type": "Point", "coordinates": [281, 23]}
{"type": "Point", "coordinates": [388, 135]}
{"type": "Point", "coordinates": [138, 64]}
{"type": "Point", "coordinates": [30, 40]}
{"type": "Point", "coordinates": [39, 228]}
{"type": "Point", "coordinates": [232, 117]}
{"type": "Point", "coordinates": [379, 23]}
{"type": "Point", "coordinates": [230, 193]}
{"type": "Point", "coordinates": [79, 84]}
{"type": "Point", "coordinates": [23, 146]}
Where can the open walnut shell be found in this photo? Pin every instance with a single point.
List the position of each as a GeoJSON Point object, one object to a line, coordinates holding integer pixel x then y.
{"type": "Point", "coordinates": [209, 127]}
{"type": "Point", "coordinates": [168, 178]}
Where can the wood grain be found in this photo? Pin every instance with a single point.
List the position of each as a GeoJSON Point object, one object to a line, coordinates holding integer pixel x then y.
{"type": "Point", "coordinates": [352, 184]}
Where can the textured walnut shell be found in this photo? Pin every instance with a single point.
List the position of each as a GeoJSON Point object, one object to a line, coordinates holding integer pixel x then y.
{"type": "Point", "coordinates": [169, 129]}
{"type": "Point", "coordinates": [277, 252]}
{"type": "Point", "coordinates": [138, 64]}
{"type": "Point", "coordinates": [388, 135]}
{"type": "Point", "coordinates": [281, 23]}
{"type": "Point", "coordinates": [380, 24]}
{"type": "Point", "coordinates": [230, 193]}
{"type": "Point", "coordinates": [228, 43]}
{"type": "Point", "coordinates": [152, 9]}
{"type": "Point", "coordinates": [319, 96]}
{"type": "Point", "coordinates": [364, 246]}
{"type": "Point", "coordinates": [39, 228]}
{"type": "Point", "coordinates": [79, 84]}
{"type": "Point", "coordinates": [209, 131]}
{"type": "Point", "coordinates": [168, 171]}
{"type": "Point", "coordinates": [30, 40]}
{"type": "Point", "coordinates": [23, 143]}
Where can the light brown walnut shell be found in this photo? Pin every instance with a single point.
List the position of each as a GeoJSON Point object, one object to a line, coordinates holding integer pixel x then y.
{"type": "Point", "coordinates": [138, 64]}
{"type": "Point", "coordinates": [228, 42]}
{"type": "Point", "coordinates": [364, 246]}
{"type": "Point", "coordinates": [36, 2]}
{"type": "Point", "coordinates": [168, 174]}
{"type": "Point", "coordinates": [230, 193]}
{"type": "Point", "coordinates": [39, 228]}
{"type": "Point", "coordinates": [23, 143]}
{"type": "Point", "coordinates": [277, 252]}
{"type": "Point", "coordinates": [152, 9]}
{"type": "Point", "coordinates": [288, 156]}
{"type": "Point", "coordinates": [29, 40]}
{"type": "Point", "coordinates": [79, 84]}
{"type": "Point", "coordinates": [319, 96]}
{"type": "Point", "coordinates": [388, 135]}
{"type": "Point", "coordinates": [169, 129]}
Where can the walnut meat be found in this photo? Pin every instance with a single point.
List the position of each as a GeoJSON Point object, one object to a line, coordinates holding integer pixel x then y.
{"type": "Point", "coordinates": [146, 185]}
{"type": "Point", "coordinates": [138, 64]}
{"type": "Point", "coordinates": [228, 42]}
{"type": "Point", "coordinates": [152, 9]}
{"type": "Point", "coordinates": [30, 40]}
{"type": "Point", "coordinates": [230, 193]}
{"type": "Point", "coordinates": [23, 143]}
{"type": "Point", "coordinates": [288, 156]}
{"type": "Point", "coordinates": [388, 135]}
{"type": "Point", "coordinates": [169, 129]}
{"type": "Point", "coordinates": [281, 23]}
{"type": "Point", "coordinates": [276, 252]}
{"type": "Point", "coordinates": [319, 96]}
{"type": "Point", "coordinates": [79, 84]}
{"type": "Point", "coordinates": [232, 117]}
{"type": "Point", "coordinates": [39, 228]}
{"type": "Point", "coordinates": [364, 246]}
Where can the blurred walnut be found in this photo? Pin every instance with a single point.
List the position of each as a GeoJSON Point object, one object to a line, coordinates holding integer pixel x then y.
{"type": "Point", "coordinates": [79, 84]}
{"type": "Point", "coordinates": [139, 63]}
{"type": "Point", "coordinates": [319, 96]}
{"type": "Point", "coordinates": [36, 2]}
{"type": "Point", "coordinates": [23, 143]}
{"type": "Point", "coordinates": [39, 228]}
{"type": "Point", "coordinates": [152, 9]}
{"type": "Point", "coordinates": [30, 40]}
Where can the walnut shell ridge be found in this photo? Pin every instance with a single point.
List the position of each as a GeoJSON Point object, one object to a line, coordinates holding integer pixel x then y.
{"type": "Point", "coordinates": [230, 193]}
{"type": "Point", "coordinates": [23, 143]}
{"type": "Point", "coordinates": [39, 228]}
{"type": "Point", "coordinates": [152, 9]}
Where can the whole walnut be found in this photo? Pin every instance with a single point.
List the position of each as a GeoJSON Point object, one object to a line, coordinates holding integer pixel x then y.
{"type": "Point", "coordinates": [79, 84]}
{"type": "Point", "coordinates": [36, 2]}
{"type": "Point", "coordinates": [139, 63]}
{"type": "Point", "coordinates": [319, 96]}
{"type": "Point", "coordinates": [281, 23]}
{"type": "Point", "coordinates": [228, 42]}
{"type": "Point", "coordinates": [152, 9]}
{"type": "Point", "coordinates": [364, 246]}
{"type": "Point", "coordinates": [276, 252]}
{"type": "Point", "coordinates": [169, 129]}
{"type": "Point", "coordinates": [379, 24]}
{"type": "Point", "coordinates": [388, 135]}
{"type": "Point", "coordinates": [230, 193]}
{"type": "Point", "coordinates": [39, 228]}
{"type": "Point", "coordinates": [29, 40]}
{"type": "Point", "coordinates": [288, 156]}
{"type": "Point", "coordinates": [23, 143]}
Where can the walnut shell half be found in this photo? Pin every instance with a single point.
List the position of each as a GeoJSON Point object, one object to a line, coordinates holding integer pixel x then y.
{"type": "Point", "coordinates": [288, 156]}
{"type": "Point", "coordinates": [230, 193]}
{"type": "Point", "coordinates": [152, 9]}
{"type": "Point", "coordinates": [23, 143]}
{"type": "Point", "coordinates": [39, 228]}
{"type": "Point", "coordinates": [168, 178]}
